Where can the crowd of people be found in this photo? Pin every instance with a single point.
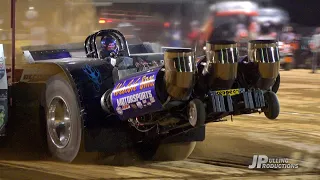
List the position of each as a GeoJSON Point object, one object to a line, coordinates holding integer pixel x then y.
{"type": "Point", "coordinates": [196, 35]}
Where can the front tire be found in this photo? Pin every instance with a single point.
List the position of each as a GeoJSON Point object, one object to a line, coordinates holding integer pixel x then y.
{"type": "Point", "coordinates": [196, 113]}
{"type": "Point", "coordinates": [272, 109]}
{"type": "Point", "coordinates": [63, 119]}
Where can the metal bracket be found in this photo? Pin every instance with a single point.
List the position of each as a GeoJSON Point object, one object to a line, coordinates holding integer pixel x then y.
{"type": "Point", "coordinates": [248, 100]}
{"type": "Point", "coordinates": [259, 99]}
{"type": "Point", "coordinates": [221, 103]}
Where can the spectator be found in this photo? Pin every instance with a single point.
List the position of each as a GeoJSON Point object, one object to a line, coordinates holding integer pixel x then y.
{"type": "Point", "coordinates": [176, 40]}
{"type": "Point", "coordinates": [194, 34]}
{"type": "Point", "coordinates": [288, 35]}
{"type": "Point", "coordinates": [315, 47]}
{"type": "Point", "coordinates": [266, 32]}
{"type": "Point", "coordinates": [254, 30]}
{"type": "Point", "coordinates": [241, 32]}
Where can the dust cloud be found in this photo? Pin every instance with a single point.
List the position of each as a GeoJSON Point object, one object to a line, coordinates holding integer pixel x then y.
{"type": "Point", "coordinates": [40, 22]}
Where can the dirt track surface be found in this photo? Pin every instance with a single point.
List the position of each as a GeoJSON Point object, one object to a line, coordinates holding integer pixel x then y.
{"type": "Point", "coordinates": [226, 152]}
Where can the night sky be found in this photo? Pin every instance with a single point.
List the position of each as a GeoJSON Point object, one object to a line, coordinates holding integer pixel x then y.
{"type": "Point", "coordinates": [302, 12]}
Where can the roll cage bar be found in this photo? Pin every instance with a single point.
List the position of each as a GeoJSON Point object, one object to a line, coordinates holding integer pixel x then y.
{"type": "Point", "coordinates": [91, 47]}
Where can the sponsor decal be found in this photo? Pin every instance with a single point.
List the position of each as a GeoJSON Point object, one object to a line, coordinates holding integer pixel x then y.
{"type": "Point", "coordinates": [35, 77]}
{"type": "Point", "coordinates": [147, 81]}
{"type": "Point", "coordinates": [134, 98]}
{"type": "Point", "coordinates": [135, 101]}
{"type": "Point", "coordinates": [119, 110]}
{"type": "Point", "coordinates": [140, 105]}
{"type": "Point", "coordinates": [94, 75]}
{"type": "Point", "coordinates": [121, 89]}
{"type": "Point", "coordinates": [230, 92]}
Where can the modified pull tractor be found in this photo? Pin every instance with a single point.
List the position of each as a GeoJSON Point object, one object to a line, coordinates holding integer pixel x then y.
{"type": "Point", "coordinates": [183, 93]}
{"type": "Point", "coordinates": [105, 102]}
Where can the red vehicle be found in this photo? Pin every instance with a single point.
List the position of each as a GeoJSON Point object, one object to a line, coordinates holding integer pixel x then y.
{"type": "Point", "coordinates": [286, 55]}
{"type": "Point", "coordinates": [230, 20]}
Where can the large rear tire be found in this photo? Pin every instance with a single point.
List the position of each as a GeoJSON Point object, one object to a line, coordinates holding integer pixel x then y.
{"type": "Point", "coordinates": [64, 131]}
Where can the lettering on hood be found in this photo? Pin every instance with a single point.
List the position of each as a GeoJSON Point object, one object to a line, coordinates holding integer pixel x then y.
{"type": "Point", "coordinates": [133, 85]}
{"type": "Point", "coordinates": [134, 98]}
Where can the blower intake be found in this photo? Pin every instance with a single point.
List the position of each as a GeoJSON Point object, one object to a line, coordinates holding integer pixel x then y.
{"type": "Point", "coordinates": [222, 64]}
{"type": "Point", "coordinates": [179, 72]}
{"type": "Point", "coordinates": [265, 55]}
